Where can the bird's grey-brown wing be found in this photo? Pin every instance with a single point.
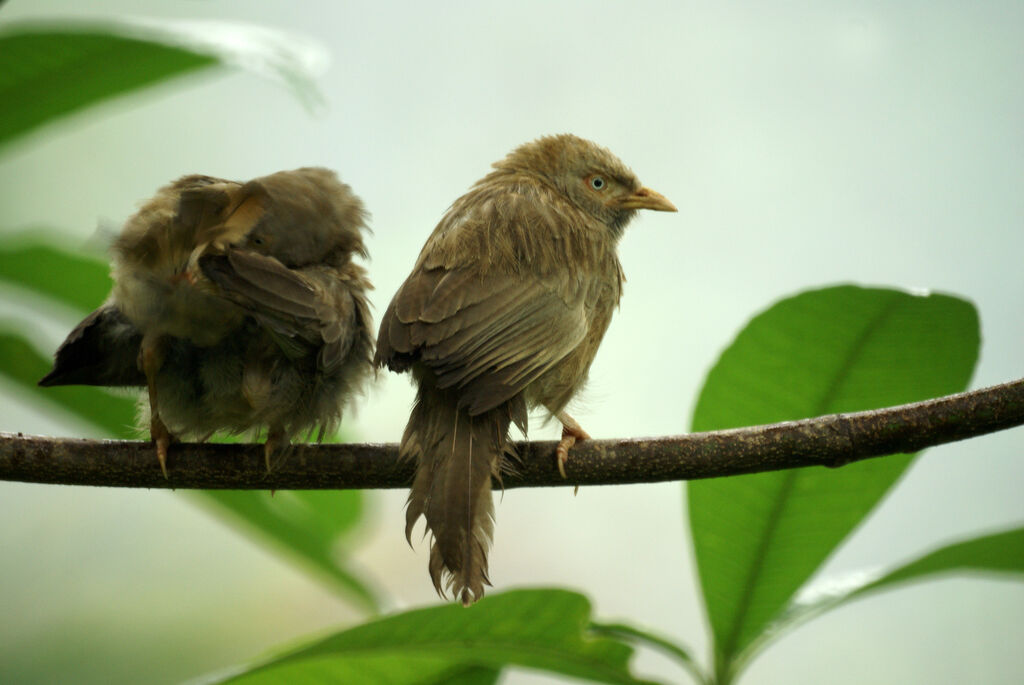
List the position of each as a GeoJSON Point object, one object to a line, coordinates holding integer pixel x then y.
{"type": "Point", "coordinates": [480, 310]}
{"type": "Point", "coordinates": [102, 350]}
{"type": "Point", "coordinates": [487, 337]}
{"type": "Point", "coordinates": [301, 308]}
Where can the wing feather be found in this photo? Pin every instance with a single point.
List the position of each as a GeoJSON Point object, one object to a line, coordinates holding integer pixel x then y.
{"type": "Point", "coordinates": [488, 326]}
{"type": "Point", "coordinates": [513, 330]}
{"type": "Point", "coordinates": [300, 308]}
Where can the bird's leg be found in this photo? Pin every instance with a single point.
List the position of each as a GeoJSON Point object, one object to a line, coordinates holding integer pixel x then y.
{"type": "Point", "coordinates": [151, 358]}
{"type": "Point", "coordinates": [277, 442]}
{"type": "Point", "coordinates": [572, 433]}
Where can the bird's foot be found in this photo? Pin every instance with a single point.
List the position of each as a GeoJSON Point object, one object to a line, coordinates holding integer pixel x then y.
{"type": "Point", "coordinates": [572, 433]}
{"type": "Point", "coordinates": [276, 445]}
{"type": "Point", "coordinates": [151, 357]}
{"type": "Point", "coordinates": [162, 439]}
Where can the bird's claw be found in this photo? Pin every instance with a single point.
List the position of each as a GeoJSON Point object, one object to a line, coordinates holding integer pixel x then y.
{"type": "Point", "coordinates": [162, 441]}
{"type": "Point", "coordinates": [276, 445]}
{"type": "Point", "coordinates": [562, 452]}
{"type": "Point", "coordinates": [572, 433]}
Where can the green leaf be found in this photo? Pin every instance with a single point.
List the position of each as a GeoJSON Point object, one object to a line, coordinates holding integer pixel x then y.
{"type": "Point", "coordinates": [51, 69]}
{"type": "Point", "coordinates": [45, 74]}
{"type": "Point", "coordinates": [994, 555]}
{"type": "Point", "coordinates": [32, 259]}
{"type": "Point", "coordinates": [630, 633]}
{"type": "Point", "coordinates": [997, 553]}
{"type": "Point", "coordinates": [21, 363]}
{"type": "Point", "coordinates": [758, 538]}
{"type": "Point", "coordinates": [470, 675]}
{"type": "Point", "coordinates": [309, 526]}
{"type": "Point", "coordinates": [539, 629]}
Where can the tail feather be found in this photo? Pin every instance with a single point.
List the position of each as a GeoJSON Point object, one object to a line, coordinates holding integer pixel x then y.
{"type": "Point", "coordinates": [457, 455]}
{"type": "Point", "coordinates": [102, 350]}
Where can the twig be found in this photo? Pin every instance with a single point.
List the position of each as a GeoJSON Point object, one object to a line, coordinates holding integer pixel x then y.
{"type": "Point", "coordinates": [831, 441]}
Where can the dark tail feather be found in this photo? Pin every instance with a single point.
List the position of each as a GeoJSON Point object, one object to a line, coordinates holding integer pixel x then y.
{"type": "Point", "coordinates": [102, 350]}
{"type": "Point", "coordinates": [456, 455]}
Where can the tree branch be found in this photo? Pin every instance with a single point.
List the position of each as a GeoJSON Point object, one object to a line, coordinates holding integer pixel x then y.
{"type": "Point", "coordinates": [832, 441]}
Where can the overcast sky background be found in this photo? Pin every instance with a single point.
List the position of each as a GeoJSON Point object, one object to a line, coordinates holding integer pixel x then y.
{"type": "Point", "coordinates": [874, 143]}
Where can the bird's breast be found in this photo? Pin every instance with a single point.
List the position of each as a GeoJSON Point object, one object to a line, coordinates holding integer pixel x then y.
{"type": "Point", "coordinates": [554, 388]}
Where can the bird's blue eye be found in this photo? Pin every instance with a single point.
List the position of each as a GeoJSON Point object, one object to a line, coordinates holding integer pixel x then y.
{"type": "Point", "coordinates": [597, 183]}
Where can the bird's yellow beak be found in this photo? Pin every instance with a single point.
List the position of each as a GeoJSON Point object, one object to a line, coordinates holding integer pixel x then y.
{"type": "Point", "coordinates": [645, 198]}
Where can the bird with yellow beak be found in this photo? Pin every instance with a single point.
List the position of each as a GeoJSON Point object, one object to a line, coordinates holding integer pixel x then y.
{"type": "Point", "coordinates": [504, 311]}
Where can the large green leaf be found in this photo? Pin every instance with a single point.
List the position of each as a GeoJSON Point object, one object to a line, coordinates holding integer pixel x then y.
{"type": "Point", "coordinates": [470, 675]}
{"type": "Point", "coordinates": [539, 629]}
{"type": "Point", "coordinates": [51, 69]}
{"type": "Point", "coordinates": [310, 527]}
{"type": "Point", "coordinates": [47, 73]}
{"type": "Point", "coordinates": [758, 538]}
{"type": "Point", "coordinates": [32, 259]}
{"type": "Point", "coordinates": [996, 555]}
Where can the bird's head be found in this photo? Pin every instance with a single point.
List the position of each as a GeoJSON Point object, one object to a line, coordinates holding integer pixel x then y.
{"type": "Point", "coordinates": [593, 178]}
{"type": "Point", "coordinates": [309, 217]}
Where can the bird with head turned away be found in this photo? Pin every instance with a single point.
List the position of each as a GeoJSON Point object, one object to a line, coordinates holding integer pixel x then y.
{"type": "Point", "coordinates": [503, 312]}
{"type": "Point", "coordinates": [238, 306]}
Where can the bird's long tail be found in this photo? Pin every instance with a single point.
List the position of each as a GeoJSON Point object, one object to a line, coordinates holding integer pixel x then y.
{"type": "Point", "coordinates": [456, 456]}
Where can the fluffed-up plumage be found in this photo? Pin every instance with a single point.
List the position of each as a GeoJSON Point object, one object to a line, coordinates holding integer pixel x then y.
{"type": "Point", "coordinates": [504, 311]}
{"type": "Point", "coordinates": [239, 307]}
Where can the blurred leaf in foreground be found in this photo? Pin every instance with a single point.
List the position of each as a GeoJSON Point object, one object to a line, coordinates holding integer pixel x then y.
{"type": "Point", "coordinates": [33, 260]}
{"type": "Point", "coordinates": [51, 69]}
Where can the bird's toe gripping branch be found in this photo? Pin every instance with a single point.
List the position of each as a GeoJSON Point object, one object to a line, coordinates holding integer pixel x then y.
{"type": "Point", "coordinates": [572, 433]}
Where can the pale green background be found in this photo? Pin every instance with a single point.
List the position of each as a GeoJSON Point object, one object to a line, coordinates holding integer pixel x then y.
{"type": "Point", "coordinates": [804, 144]}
